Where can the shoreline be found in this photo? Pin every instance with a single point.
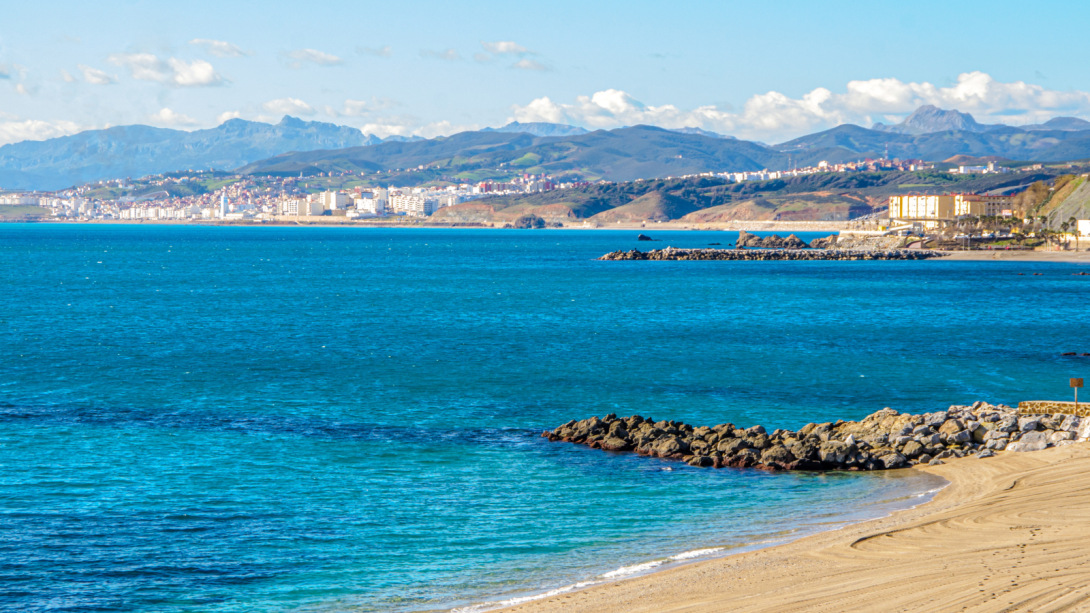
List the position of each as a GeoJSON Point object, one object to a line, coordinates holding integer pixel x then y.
{"type": "Point", "coordinates": [1006, 533]}
{"type": "Point", "coordinates": [702, 555]}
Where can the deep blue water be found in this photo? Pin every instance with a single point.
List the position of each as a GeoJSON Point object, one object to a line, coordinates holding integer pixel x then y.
{"type": "Point", "coordinates": [271, 419]}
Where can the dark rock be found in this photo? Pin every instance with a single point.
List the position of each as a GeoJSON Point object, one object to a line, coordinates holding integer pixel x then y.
{"type": "Point", "coordinates": [529, 222]}
{"type": "Point", "coordinates": [912, 449]}
{"type": "Point", "coordinates": [778, 454]}
{"type": "Point", "coordinates": [642, 237]}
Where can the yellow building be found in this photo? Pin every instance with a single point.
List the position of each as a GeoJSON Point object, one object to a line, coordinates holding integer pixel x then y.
{"type": "Point", "coordinates": [936, 211]}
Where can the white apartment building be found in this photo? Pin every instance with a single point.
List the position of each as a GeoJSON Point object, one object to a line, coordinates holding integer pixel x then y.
{"type": "Point", "coordinates": [416, 205]}
{"type": "Point", "coordinates": [334, 200]}
{"type": "Point", "coordinates": [301, 207]}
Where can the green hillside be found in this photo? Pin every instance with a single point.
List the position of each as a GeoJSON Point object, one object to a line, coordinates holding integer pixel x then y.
{"type": "Point", "coordinates": [625, 154]}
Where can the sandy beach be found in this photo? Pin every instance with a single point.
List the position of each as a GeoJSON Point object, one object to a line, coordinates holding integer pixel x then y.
{"type": "Point", "coordinates": [1010, 533]}
{"type": "Point", "coordinates": [1020, 256]}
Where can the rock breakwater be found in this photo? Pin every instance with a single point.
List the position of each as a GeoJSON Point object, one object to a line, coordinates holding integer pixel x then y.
{"type": "Point", "coordinates": [884, 440]}
{"type": "Point", "coordinates": [671, 253]}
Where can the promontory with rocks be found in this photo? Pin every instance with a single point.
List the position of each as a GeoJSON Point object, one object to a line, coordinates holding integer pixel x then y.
{"type": "Point", "coordinates": [883, 440]}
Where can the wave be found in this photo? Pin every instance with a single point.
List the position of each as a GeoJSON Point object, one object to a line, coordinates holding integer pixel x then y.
{"type": "Point", "coordinates": [645, 567]}
{"type": "Point", "coordinates": [624, 571]}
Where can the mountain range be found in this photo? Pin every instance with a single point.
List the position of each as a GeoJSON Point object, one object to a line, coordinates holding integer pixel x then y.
{"type": "Point", "coordinates": [294, 146]}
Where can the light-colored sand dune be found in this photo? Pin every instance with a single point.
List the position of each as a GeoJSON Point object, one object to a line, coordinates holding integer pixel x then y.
{"type": "Point", "coordinates": [1010, 533]}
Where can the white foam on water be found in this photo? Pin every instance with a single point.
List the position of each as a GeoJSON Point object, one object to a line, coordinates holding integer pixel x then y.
{"type": "Point", "coordinates": [624, 571]}
{"type": "Point", "coordinates": [696, 553]}
{"type": "Point", "coordinates": [510, 602]}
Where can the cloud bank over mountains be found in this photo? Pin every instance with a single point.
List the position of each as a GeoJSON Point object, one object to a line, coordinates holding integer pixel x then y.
{"type": "Point", "coordinates": [776, 117]}
{"type": "Point", "coordinates": [769, 117]}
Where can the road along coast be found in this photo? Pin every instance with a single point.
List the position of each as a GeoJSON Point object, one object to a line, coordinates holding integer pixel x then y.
{"type": "Point", "coordinates": [670, 253]}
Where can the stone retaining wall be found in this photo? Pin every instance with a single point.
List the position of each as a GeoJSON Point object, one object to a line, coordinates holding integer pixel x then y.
{"type": "Point", "coordinates": [1052, 407]}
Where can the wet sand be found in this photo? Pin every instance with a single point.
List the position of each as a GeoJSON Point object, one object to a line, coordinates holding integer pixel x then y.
{"type": "Point", "coordinates": [1010, 533]}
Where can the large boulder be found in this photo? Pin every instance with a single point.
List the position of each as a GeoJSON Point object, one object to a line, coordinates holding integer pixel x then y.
{"type": "Point", "coordinates": [1030, 441]}
{"type": "Point", "coordinates": [745, 239]}
{"type": "Point", "coordinates": [829, 242]}
{"type": "Point", "coordinates": [794, 242]}
{"type": "Point", "coordinates": [670, 446]}
{"type": "Point", "coordinates": [893, 460]}
{"type": "Point", "coordinates": [778, 454]}
{"type": "Point", "coordinates": [835, 452]}
{"type": "Point", "coordinates": [612, 443]}
{"type": "Point", "coordinates": [912, 449]}
{"type": "Point", "coordinates": [732, 446]}
{"type": "Point", "coordinates": [529, 222]}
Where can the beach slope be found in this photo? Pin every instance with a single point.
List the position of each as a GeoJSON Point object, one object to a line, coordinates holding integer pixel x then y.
{"type": "Point", "coordinates": [1010, 533]}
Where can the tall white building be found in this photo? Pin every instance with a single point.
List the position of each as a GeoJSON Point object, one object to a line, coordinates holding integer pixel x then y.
{"type": "Point", "coordinates": [223, 206]}
{"type": "Point", "coordinates": [334, 200]}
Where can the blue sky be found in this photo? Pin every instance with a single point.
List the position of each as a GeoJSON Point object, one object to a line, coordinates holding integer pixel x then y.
{"type": "Point", "coordinates": [768, 71]}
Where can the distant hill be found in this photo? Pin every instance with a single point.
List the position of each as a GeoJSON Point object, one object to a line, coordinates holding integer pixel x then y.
{"type": "Point", "coordinates": [816, 197]}
{"type": "Point", "coordinates": [623, 154]}
{"type": "Point", "coordinates": [135, 151]}
{"type": "Point", "coordinates": [639, 152]}
{"type": "Point", "coordinates": [700, 132]}
{"type": "Point", "coordinates": [539, 129]}
{"type": "Point", "coordinates": [1003, 141]}
{"type": "Point", "coordinates": [1073, 124]}
{"type": "Point", "coordinates": [968, 160]}
{"type": "Point", "coordinates": [928, 119]}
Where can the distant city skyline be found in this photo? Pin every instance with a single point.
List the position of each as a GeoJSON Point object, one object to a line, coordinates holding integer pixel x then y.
{"type": "Point", "coordinates": [768, 71]}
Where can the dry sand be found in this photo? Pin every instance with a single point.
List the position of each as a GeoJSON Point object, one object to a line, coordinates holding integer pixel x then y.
{"type": "Point", "coordinates": [1010, 533]}
{"type": "Point", "coordinates": [1020, 256]}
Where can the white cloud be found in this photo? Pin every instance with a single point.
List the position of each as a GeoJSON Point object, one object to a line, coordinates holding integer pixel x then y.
{"type": "Point", "coordinates": [313, 56]}
{"type": "Point", "coordinates": [5, 71]}
{"type": "Point", "coordinates": [527, 64]}
{"type": "Point", "coordinates": [218, 48]}
{"type": "Point", "coordinates": [67, 76]}
{"type": "Point", "coordinates": [357, 108]}
{"type": "Point", "coordinates": [167, 117]}
{"type": "Point", "coordinates": [193, 74]}
{"type": "Point", "coordinates": [505, 47]}
{"type": "Point", "coordinates": [288, 106]}
{"type": "Point", "coordinates": [18, 131]}
{"type": "Point", "coordinates": [449, 54]}
{"type": "Point", "coordinates": [773, 115]}
{"type": "Point", "coordinates": [410, 126]}
{"type": "Point", "coordinates": [21, 89]}
{"type": "Point", "coordinates": [175, 72]}
{"type": "Point", "coordinates": [375, 51]}
{"type": "Point", "coordinates": [226, 115]}
{"type": "Point", "coordinates": [95, 76]}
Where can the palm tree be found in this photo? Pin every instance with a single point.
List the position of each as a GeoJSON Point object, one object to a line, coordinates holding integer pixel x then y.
{"type": "Point", "coordinates": [1074, 225]}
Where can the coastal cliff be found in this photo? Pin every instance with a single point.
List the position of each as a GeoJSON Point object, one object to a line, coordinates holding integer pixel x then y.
{"type": "Point", "coordinates": [884, 440]}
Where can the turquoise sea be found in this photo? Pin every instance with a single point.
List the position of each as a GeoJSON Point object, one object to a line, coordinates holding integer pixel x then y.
{"type": "Point", "coordinates": [323, 419]}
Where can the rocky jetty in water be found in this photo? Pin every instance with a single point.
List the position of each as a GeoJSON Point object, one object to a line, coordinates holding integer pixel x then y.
{"type": "Point", "coordinates": [671, 253]}
{"type": "Point", "coordinates": [884, 440]}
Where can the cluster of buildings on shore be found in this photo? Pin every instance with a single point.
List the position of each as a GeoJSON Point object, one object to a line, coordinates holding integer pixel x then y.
{"type": "Point", "coordinates": [932, 212]}
{"type": "Point", "coordinates": [241, 198]}
{"type": "Point", "coordinates": [867, 165]}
